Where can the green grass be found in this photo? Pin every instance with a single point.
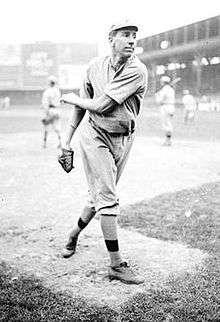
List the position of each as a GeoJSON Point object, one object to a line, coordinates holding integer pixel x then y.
{"type": "Point", "coordinates": [26, 299]}
{"type": "Point", "coordinates": [186, 298]}
{"type": "Point", "coordinates": [190, 297]}
{"type": "Point", "coordinates": [164, 217]}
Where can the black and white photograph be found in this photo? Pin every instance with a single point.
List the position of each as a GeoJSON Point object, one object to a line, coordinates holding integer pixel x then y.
{"type": "Point", "coordinates": [109, 161]}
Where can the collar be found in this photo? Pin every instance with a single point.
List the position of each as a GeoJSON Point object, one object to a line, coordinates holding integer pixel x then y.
{"type": "Point", "coordinates": [121, 66]}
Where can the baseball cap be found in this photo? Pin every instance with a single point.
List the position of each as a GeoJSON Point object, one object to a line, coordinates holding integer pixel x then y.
{"type": "Point", "coordinates": [52, 79]}
{"type": "Point", "coordinates": [123, 24]}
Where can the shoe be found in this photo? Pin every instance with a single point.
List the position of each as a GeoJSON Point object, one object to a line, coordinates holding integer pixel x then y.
{"type": "Point", "coordinates": [124, 274]}
{"type": "Point", "coordinates": [70, 248]}
{"type": "Point", "coordinates": [167, 143]}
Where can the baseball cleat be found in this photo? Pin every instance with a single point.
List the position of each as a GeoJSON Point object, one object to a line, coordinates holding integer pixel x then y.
{"type": "Point", "coordinates": [70, 248]}
{"type": "Point", "coordinates": [124, 274]}
{"type": "Point", "coordinates": [167, 143]}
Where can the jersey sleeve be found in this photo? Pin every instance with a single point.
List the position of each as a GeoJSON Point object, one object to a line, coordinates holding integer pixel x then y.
{"type": "Point", "coordinates": [130, 81]}
{"type": "Point", "coordinates": [56, 98]}
{"type": "Point", "coordinates": [45, 100]}
{"type": "Point", "coordinates": [86, 89]}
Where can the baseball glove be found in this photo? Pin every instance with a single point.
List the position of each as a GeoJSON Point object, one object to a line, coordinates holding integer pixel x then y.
{"type": "Point", "coordinates": [66, 160]}
{"type": "Point", "coordinates": [47, 120]}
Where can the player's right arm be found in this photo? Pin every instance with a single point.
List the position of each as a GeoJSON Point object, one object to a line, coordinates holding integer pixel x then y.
{"type": "Point", "coordinates": [76, 118]}
{"type": "Point", "coordinates": [78, 113]}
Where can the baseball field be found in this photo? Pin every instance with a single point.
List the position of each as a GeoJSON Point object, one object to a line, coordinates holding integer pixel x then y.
{"type": "Point", "coordinates": [169, 225]}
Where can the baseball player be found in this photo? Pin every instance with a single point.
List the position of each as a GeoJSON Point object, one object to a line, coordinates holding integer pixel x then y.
{"type": "Point", "coordinates": [190, 105]}
{"type": "Point", "coordinates": [50, 102]}
{"type": "Point", "coordinates": [112, 93]}
{"type": "Point", "coordinates": [165, 97]}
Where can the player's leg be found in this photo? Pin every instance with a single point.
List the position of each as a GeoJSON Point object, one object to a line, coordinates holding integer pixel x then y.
{"type": "Point", "coordinates": [168, 128]}
{"type": "Point", "coordinates": [45, 135]}
{"type": "Point", "coordinates": [186, 116]}
{"type": "Point", "coordinates": [122, 160]}
{"type": "Point", "coordinates": [101, 174]}
{"type": "Point", "coordinates": [100, 153]}
{"type": "Point", "coordinates": [87, 214]}
{"type": "Point", "coordinates": [191, 116]}
{"type": "Point", "coordinates": [118, 269]}
{"type": "Point", "coordinates": [167, 112]}
{"type": "Point", "coordinates": [164, 121]}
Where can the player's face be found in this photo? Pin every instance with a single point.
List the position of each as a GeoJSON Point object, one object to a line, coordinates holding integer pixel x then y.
{"type": "Point", "coordinates": [124, 42]}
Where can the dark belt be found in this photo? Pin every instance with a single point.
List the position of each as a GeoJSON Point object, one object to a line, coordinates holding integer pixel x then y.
{"type": "Point", "coordinates": [51, 106]}
{"type": "Point", "coordinates": [115, 134]}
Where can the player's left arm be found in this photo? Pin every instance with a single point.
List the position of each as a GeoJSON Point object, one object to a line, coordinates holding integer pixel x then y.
{"type": "Point", "coordinates": [132, 80]}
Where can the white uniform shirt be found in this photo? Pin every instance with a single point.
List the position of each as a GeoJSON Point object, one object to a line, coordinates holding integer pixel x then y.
{"type": "Point", "coordinates": [51, 96]}
{"type": "Point", "coordinates": [125, 86]}
{"type": "Point", "coordinates": [166, 96]}
{"type": "Point", "coordinates": [189, 102]}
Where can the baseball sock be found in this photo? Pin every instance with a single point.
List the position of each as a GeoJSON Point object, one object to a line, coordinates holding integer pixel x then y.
{"type": "Point", "coordinates": [87, 214]}
{"type": "Point", "coordinates": [59, 138]}
{"type": "Point", "coordinates": [109, 229]}
{"type": "Point", "coordinates": [45, 138]}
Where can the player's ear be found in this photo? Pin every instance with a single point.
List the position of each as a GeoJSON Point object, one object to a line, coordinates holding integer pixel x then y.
{"type": "Point", "coordinates": [110, 39]}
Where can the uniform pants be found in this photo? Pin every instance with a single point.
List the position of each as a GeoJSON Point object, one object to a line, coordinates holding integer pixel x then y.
{"type": "Point", "coordinates": [167, 112]}
{"type": "Point", "coordinates": [104, 156]}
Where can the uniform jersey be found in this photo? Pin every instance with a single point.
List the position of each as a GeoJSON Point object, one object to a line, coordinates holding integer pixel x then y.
{"type": "Point", "coordinates": [51, 97]}
{"type": "Point", "coordinates": [166, 96]}
{"type": "Point", "coordinates": [126, 87]}
{"type": "Point", "coordinates": [189, 102]}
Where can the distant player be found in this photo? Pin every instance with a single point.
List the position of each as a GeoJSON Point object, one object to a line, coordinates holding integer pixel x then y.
{"type": "Point", "coordinates": [6, 102]}
{"type": "Point", "coordinates": [50, 103]}
{"type": "Point", "coordinates": [165, 97]}
{"type": "Point", "coordinates": [190, 105]}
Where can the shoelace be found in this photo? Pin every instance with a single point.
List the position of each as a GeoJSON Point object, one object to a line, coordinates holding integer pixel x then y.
{"type": "Point", "coordinates": [124, 264]}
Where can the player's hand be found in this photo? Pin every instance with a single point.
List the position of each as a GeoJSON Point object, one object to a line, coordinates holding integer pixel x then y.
{"type": "Point", "coordinates": [67, 146]}
{"type": "Point", "coordinates": [66, 159]}
{"type": "Point", "coordinates": [70, 98]}
{"type": "Point", "coordinates": [64, 98]}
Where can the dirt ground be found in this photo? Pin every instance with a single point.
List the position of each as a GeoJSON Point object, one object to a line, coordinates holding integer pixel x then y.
{"type": "Point", "coordinates": [39, 203]}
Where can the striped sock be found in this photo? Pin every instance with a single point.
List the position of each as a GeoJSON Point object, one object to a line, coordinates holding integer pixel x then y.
{"type": "Point", "coordinates": [109, 229]}
{"type": "Point", "coordinates": [86, 216]}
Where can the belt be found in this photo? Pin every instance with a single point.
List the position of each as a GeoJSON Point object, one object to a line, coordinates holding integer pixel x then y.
{"type": "Point", "coordinates": [128, 131]}
{"type": "Point", "coordinates": [51, 106]}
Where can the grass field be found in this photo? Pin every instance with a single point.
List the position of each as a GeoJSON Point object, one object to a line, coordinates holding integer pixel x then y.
{"type": "Point", "coordinates": [189, 297]}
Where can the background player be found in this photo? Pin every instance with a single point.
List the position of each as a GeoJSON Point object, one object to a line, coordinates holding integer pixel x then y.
{"type": "Point", "coordinates": [51, 102]}
{"type": "Point", "coordinates": [165, 97]}
{"type": "Point", "coordinates": [190, 106]}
